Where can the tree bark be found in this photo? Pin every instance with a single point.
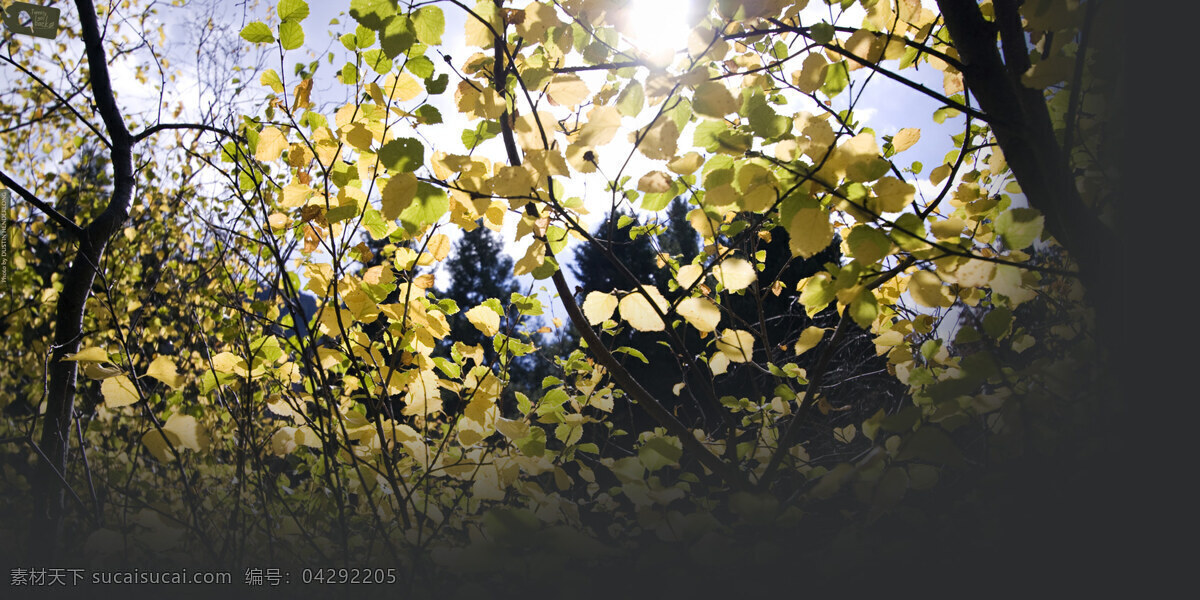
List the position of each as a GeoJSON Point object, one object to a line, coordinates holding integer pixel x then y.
{"type": "Point", "coordinates": [49, 490]}
{"type": "Point", "coordinates": [1021, 122]}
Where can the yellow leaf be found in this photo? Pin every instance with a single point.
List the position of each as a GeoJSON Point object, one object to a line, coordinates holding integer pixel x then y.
{"type": "Point", "coordinates": [188, 432]}
{"type": "Point", "coordinates": [638, 311]}
{"type": "Point", "coordinates": [701, 222]}
{"type": "Point", "coordinates": [512, 181]}
{"type": "Point", "coordinates": [893, 195]}
{"type": "Point", "coordinates": [359, 136]}
{"type": "Point", "coordinates": [735, 274]}
{"type": "Point", "coordinates": [602, 125]}
{"type": "Point", "coordinates": [598, 307]}
{"type": "Point", "coordinates": [974, 273]}
{"type": "Point", "coordinates": [809, 338]}
{"type": "Point", "coordinates": [719, 363]}
{"type": "Point", "coordinates": [118, 391]}
{"type": "Point", "coordinates": [484, 319]}
{"type": "Point", "coordinates": [295, 194]}
{"type": "Point", "coordinates": [512, 429]}
{"type": "Point", "coordinates": [279, 407]}
{"type": "Point", "coordinates": [939, 174]}
{"type": "Point", "coordinates": [89, 354]}
{"type": "Point", "coordinates": [688, 275]}
{"type": "Point", "coordinates": [439, 246]}
{"type": "Point", "coordinates": [926, 288]}
{"type": "Point", "coordinates": [701, 313]}
{"type": "Point", "coordinates": [100, 371]}
{"type": "Point", "coordinates": [686, 164]}
{"type": "Point", "coordinates": [809, 232]}
{"type": "Point", "coordinates": [952, 227]}
{"type": "Point", "coordinates": [737, 345]}
{"type": "Point", "coordinates": [302, 92]}
{"type": "Point", "coordinates": [402, 86]}
{"type": "Point", "coordinates": [811, 75]}
{"type": "Point", "coordinates": [154, 441]}
{"type": "Point", "coordinates": [858, 150]}
{"type": "Point", "coordinates": [905, 138]}
{"type": "Point", "coordinates": [660, 140]}
{"type": "Point", "coordinates": [567, 90]}
{"type": "Point", "coordinates": [397, 194]}
{"type": "Point", "coordinates": [162, 368]}
{"type": "Point", "coordinates": [271, 143]}
{"type": "Point", "coordinates": [227, 362]}
{"type": "Point", "coordinates": [713, 99]}
{"type": "Point", "coordinates": [283, 442]}
{"type": "Point", "coordinates": [654, 182]}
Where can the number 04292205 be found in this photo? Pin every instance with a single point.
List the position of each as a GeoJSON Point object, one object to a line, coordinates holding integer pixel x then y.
{"type": "Point", "coordinates": [348, 575]}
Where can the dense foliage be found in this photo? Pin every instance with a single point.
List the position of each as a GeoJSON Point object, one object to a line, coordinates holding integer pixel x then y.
{"type": "Point", "coordinates": [288, 333]}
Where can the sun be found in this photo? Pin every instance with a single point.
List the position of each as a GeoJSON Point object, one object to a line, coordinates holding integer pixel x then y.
{"type": "Point", "coordinates": [659, 28]}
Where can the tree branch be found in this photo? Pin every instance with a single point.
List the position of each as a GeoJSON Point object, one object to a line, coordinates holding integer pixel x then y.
{"type": "Point", "coordinates": [28, 196]}
{"type": "Point", "coordinates": [153, 129]}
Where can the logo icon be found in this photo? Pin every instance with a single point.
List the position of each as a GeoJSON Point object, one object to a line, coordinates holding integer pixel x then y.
{"type": "Point", "coordinates": [31, 19]}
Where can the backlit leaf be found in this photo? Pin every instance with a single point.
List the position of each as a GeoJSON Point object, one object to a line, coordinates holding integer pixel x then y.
{"type": "Point", "coordinates": [118, 391]}
{"type": "Point", "coordinates": [1020, 227]}
{"type": "Point", "coordinates": [809, 338]}
{"type": "Point", "coordinates": [700, 312]}
{"type": "Point", "coordinates": [271, 143]}
{"type": "Point", "coordinates": [484, 319]}
{"type": "Point", "coordinates": [402, 155]}
{"type": "Point", "coordinates": [428, 23]}
{"type": "Point", "coordinates": [397, 194]}
{"type": "Point", "coordinates": [89, 354]}
{"type": "Point", "coordinates": [809, 232]}
{"type": "Point", "coordinates": [905, 138]}
{"type": "Point", "coordinates": [567, 90]}
{"type": "Point", "coordinates": [598, 307]}
{"type": "Point", "coordinates": [187, 431]}
{"type": "Point", "coordinates": [638, 311]}
{"type": "Point", "coordinates": [737, 345]}
{"type": "Point", "coordinates": [293, 10]}
{"type": "Point", "coordinates": [163, 369]}
{"type": "Point", "coordinates": [735, 274]}
{"type": "Point", "coordinates": [291, 35]}
{"type": "Point", "coordinates": [257, 33]}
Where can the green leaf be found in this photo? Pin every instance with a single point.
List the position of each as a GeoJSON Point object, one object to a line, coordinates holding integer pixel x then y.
{"type": "Point", "coordinates": [420, 66]}
{"type": "Point", "coordinates": [341, 213]}
{"type": "Point", "coordinates": [631, 99]}
{"type": "Point", "coordinates": [634, 352]}
{"type": "Point", "coordinates": [940, 115]}
{"type": "Point", "coordinates": [396, 36]}
{"type": "Point", "coordinates": [378, 61]}
{"type": "Point", "coordinates": [552, 401]}
{"type": "Point", "coordinates": [402, 155]}
{"type": "Point", "coordinates": [1020, 227]}
{"type": "Point", "coordinates": [429, 24]}
{"type": "Point", "coordinates": [821, 33]}
{"type": "Point", "coordinates": [660, 452]}
{"type": "Point", "coordinates": [764, 121]}
{"type": "Point", "coordinates": [837, 77]}
{"type": "Point", "coordinates": [293, 10]}
{"type": "Point", "coordinates": [257, 33]}
{"type": "Point", "coordinates": [864, 309]}
{"type": "Point", "coordinates": [372, 13]}
{"type": "Point", "coordinates": [437, 85]}
{"type": "Point", "coordinates": [428, 114]}
{"type": "Point", "coordinates": [291, 35]}
{"type": "Point", "coordinates": [427, 207]}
